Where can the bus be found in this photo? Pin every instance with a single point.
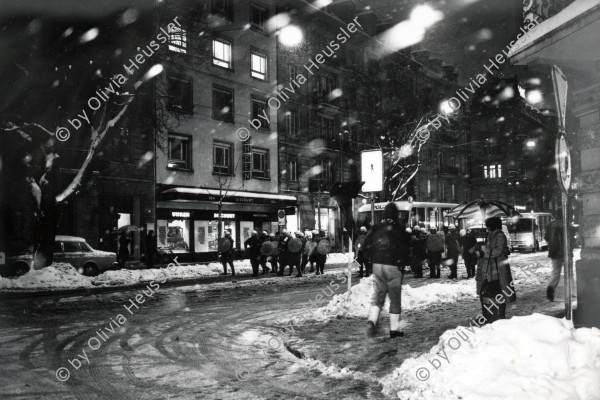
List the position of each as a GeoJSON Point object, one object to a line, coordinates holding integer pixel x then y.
{"type": "Point", "coordinates": [526, 233]}
{"type": "Point", "coordinates": [428, 215]}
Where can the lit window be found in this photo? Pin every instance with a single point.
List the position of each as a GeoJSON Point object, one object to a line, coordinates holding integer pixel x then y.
{"type": "Point", "coordinates": [222, 53]}
{"type": "Point", "coordinates": [177, 39]}
{"type": "Point", "coordinates": [258, 66]}
{"type": "Point", "coordinates": [499, 167]}
{"type": "Point", "coordinates": [492, 171]}
{"type": "Point", "coordinates": [428, 188]}
{"type": "Point", "coordinates": [485, 171]}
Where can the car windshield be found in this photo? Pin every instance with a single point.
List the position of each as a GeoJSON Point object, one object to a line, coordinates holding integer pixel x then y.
{"type": "Point", "coordinates": [520, 225]}
{"type": "Point", "coordinates": [85, 247]}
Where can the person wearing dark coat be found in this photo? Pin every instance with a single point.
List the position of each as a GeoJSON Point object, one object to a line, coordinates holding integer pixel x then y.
{"type": "Point", "coordinates": [361, 259]}
{"type": "Point", "coordinates": [494, 278]}
{"type": "Point", "coordinates": [150, 248]}
{"type": "Point", "coordinates": [435, 260]}
{"type": "Point", "coordinates": [273, 259]}
{"type": "Point", "coordinates": [227, 256]}
{"type": "Point", "coordinates": [264, 237]}
{"type": "Point", "coordinates": [283, 253]}
{"type": "Point", "coordinates": [387, 245]}
{"type": "Point", "coordinates": [123, 249]}
{"type": "Point", "coordinates": [296, 258]}
{"type": "Point", "coordinates": [320, 259]}
{"type": "Point", "coordinates": [468, 243]}
{"type": "Point", "coordinates": [252, 246]}
{"type": "Point", "coordinates": [419, 251]}
{"type": "Point", "coordinates": [306, 252]}
{"type": "Point", "coordinates": [452, 251]}
{"type": "Point", "coordinates": [554, 237]}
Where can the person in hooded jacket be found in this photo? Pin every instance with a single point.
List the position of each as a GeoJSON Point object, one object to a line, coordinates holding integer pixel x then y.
{"type": "Point", "coordinates": [387, 245]}
{"type": "Point", "coordinates": [494, 279]}
{"type": "Point", "coordinates": [264, 237]}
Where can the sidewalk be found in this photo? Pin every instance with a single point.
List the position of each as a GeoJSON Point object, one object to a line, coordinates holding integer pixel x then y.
{"type": "Point", "coordinates": [342, 346]}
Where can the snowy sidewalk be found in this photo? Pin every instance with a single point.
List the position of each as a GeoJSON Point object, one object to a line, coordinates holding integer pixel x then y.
{"type": "Point", "coordinates": [333, 340]}
{"type": "Point", "coordinates": [63, 278]}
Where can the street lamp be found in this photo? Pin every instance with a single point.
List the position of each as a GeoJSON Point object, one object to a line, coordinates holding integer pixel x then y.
{"type": "Point", "coordinates": [290, 36]}
{"type": "Point", "coordinates": [530, 144]}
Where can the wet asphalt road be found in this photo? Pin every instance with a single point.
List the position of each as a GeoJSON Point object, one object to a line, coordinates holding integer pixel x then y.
{"type": "Point", "coordinates": [181, 343]}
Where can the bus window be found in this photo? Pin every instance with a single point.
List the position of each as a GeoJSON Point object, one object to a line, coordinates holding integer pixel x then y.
{"type": "Point", "coordinates": [521, 225]}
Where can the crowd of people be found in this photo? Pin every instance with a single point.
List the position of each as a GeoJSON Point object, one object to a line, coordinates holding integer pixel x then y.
{"type": "Point", "coordinates": [390, 246]}
{"type": "Point", "coordinates": [280, 250]}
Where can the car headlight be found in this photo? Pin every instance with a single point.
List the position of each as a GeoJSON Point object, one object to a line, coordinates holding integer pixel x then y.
{"type": "Point", "coordinates": [528, 241]}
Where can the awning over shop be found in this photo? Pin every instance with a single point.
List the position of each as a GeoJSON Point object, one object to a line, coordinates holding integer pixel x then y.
{"type": "Point", "coordinates": [571, 34]}
{"type": "Point", "coordinates": [182, 194]}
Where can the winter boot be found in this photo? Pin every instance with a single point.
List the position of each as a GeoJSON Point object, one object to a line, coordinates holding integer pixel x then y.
{"type": "Point", "coordinates": [550, 293]}
{"type": "Point", "coordinates": [395, 326]}
{"type": "Point", "coordinates": [373, 317]}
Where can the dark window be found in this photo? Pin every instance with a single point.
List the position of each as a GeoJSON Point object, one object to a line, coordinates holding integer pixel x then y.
{"type": "Point", "coordinates": [222, 158]}
{"type": "Point", "coordinates": [326, 128]}
{"type": "Point", "coordinates": [258, 15]}
{"type": "Point", "coordinates": [292, 71]}
{"type": "Point", "coordinates": [177, 39]}
{"type": "Point", "coordinates": [222, 53]}
{"type": "Point", "coordinates": [258, 65]}
{"type": "Point", "coordinates": [72, 247]}
{"type": "Point", "coordinates": [180, 94]}
{"type": "Point", "coordinates": [57, 247]}
{"type": "Point", "coordinates": [260, 163]}
{"type": "Point", "coordinates": [179, 152]}
{"type": "Point", "coordinates": [291, 122]}
{"type": "Point", "coordinates": [223, 7]}
{"type": "Point", "coordinates": [293, 169]}
{"type": "Point", "coordinates": [259, 107]}
{"type": "Point", "coordinates": [223, 104]}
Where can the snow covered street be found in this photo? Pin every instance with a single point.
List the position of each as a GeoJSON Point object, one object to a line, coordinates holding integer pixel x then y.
{"type": "Point", "coordinates": [266, 339]}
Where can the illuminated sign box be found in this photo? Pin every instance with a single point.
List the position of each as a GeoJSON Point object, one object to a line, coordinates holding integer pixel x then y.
{"type": "Point", "coordinates": [372, 170]}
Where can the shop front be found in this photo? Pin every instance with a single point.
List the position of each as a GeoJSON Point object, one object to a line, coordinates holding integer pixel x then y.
{"type": "Point", "coordinates": [188, 220]}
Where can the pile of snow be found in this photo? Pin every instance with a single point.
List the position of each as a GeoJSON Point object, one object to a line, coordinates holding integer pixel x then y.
{"type": "Point", "coordinates": [62, 276]}
{"type": "Point", "coordinates": [356, 305]}
{"type": "Point", "coordinates": [57, 275]}
{"type": "Point", "coordinates": [531, 357]}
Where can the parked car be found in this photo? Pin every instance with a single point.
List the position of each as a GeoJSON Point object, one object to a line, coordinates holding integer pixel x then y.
{"type": "Point", "coordinates": [72, 250]}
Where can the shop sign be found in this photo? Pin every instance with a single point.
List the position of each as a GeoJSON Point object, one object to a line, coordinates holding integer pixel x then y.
{"type": "Point", "coordinates": [225, 215]}
{"type": "Point", "coordinates": [247, 161]}
{"type": "Point", "coordinates": [180, 214]}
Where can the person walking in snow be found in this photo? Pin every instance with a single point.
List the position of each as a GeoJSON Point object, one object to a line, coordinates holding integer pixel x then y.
{"type": "Point", "coordinates": [361, 259]}
{"type": "Point", "coordinates": [434, 256]}
{"type": "Point", "coordinates": [387, 245]}
{"type": "Point", "coordinates": [306, 252]}
{"type": "Point", "coordinates": [273, 258]}
{"type": "Point", "coordinates": [493, 277]}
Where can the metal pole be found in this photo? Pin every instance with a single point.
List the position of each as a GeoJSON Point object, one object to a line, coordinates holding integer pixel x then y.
{"type": "Point", "coordinates": [372, 209]}
{"type": "Point", "coordinates": [566, 257]}
{"type": "Point", "coordinates": [350, 263]}
{"type": "Point", "coordinates": [319, 208]}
